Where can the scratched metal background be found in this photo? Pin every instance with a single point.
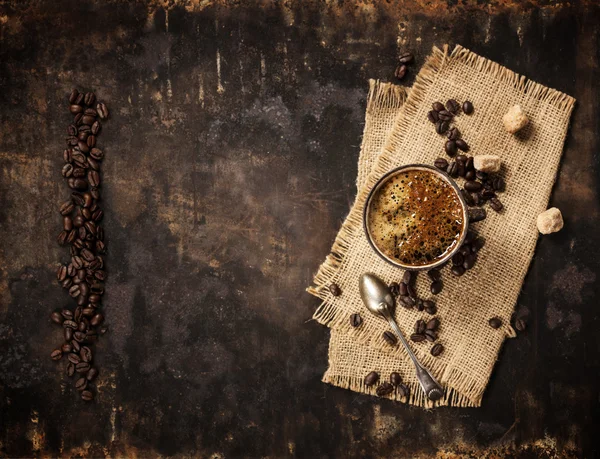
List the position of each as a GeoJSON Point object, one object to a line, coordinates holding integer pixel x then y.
{"type": "Point", "coordinates": [231, 161]}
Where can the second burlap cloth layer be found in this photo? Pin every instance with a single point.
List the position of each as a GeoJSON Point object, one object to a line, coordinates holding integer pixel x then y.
{"type": "Point", "coordinates": [397, 132]}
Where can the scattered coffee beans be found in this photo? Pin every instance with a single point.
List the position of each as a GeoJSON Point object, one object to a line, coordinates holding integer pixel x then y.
{"type": "Point", "coordinates": [335, 290]}
{"type": "Point", "coordinates": [495, 322]}
{"type": "Point", "coordinates": [467, 107]}
{"type": "Point", "coordinates": [356, 320]}
{"type": "Point", "coordinates": [84, 275]}
{"type": "Point", "coordinates": [437, 349]}
{"type": "Point", "coordinates": [390, 338]}
{"type": "Point", "coordinates": [371, 378]}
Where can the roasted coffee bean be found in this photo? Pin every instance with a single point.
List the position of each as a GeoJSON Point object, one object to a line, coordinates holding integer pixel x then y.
{"type": "Point", "coordinates": [406, 58]}
{"type": "Point", "coordinates": [470, 237]}
{"type": "Point", "coordinates": [450, 148]}
{"type": "Point", "coordinates": [390, 338]}
{"type": "Point", "coordinates": [384, 389]}
{"type": "Point", "coordinates": [430, 307]}
{"type": "Point", "coordinates": [477, 199]}
{"type": "Point", "coordinates": [481, 175]}
{"type": "Point", "coordinates": [430, 335]}
{"type": "Point", "coordinates": [90, 226]}
{"type": "Point", "coordinates": [496, 204]}
{"type": "Point", "coordinates": [458, 259]}
{"type": "Point", "coordinates": [452, 169]}
{"type": "Point", "coordinates": [83, 135]}
{"type": "Point", "coordinates": [95, 192]}
{"type": "Point", "coordinates": [68, 155]}
{"type": "Point", "coordinates": [335, 289]}
{"type": "Point", "coordinates": [73, 96]}
{"type": "Point", "coordinates": [472, 186]}
{"type": "Point", "coordinates": [87, 396]}
{"type": "Point", "coordinates": [56, 354]}
{"type": "Point", "coordinates": [469, 261]}
{"type": "Point", "coordinates": [81, 384]}
{"type": "Point", "coordinates": [96, 320]}
{"type": "Point", "coordinates": [395, 288]}
{"type": "Point", "coordinates": [72, 130]}
{"type": "Point", "coordinates": [403, 289]}
{"type": "Point", "coordinates": [84, 128]}
{"type": "Point", "coordinates": [61, 274]}
{"type": "Point", "coordinates": [495, 322]}
{"type": "Point", "coordinates": [82, 367]}
{"type": "Point", "coordinates": [432, 116]}
{"type": "Point", "coordinates": [395, 378]}
{"type": "Point", "coordinates": [66, 208]}
{"type": "Point", "coordinates": [94, 298]}
{"type": "Point", "coordinates": [462, 145]}
{"type": "Point", "coordinates": [71, 270]}
{"type": "Point", "coordinates": [419, 326]}
{"type": "Point", "coordinates": [407, 302]}
{"type": "Point", "coordinates": [94, 178]}
{"type": "Point", "coordinates": [66, 348]}
{"type": "Point", "coordinates": [96, 128]}
{"type": "Point", "coordinates": [498, 184]}
{"type": "Point", "coordinates": [76, 346]}
{"type": "Point", "coordinates": [441, 126]}
{"type": "Point", "coordinates": [469, 164]}
{"type": "Point", "coordinates": [87, 214]}
{"type": "Point", "coordinates": [453, 134]}
{"type": "Point", "coordinates": [91, 141]}
{"type": "Point", "coordinates": [458, 270]}
{"type": "Point", "coordinates": [67, 283]}
{"type": "Point", "coordinates": [465, 250]}
{"type": "Point", "coordinates": [72, 236]}
{"type": "Point", "coordinates": [74, 291]}
{"type": "Point", "coordinates": [88, 312]}
{"type": "Point", "coordinates": [437, 349]}
{"type": "Point", "coordinates": [520, 325]}
{"type": "Point", "coordinates": [77, 119]}
{"type": "Point", "coordinates": [445, 115]}
{"type": "Point", "coordinates": [461, 159]}
{"type": "Point", "coordinates": [469, 175]}
{"type": "Point", "coordinates": [401, 71]}
{"type": "Point", "coordinates": [371, 378]}
{"type": "Point", "coordinates": [467, 197]}
{"type": "Point", "coordinates": [56, 317]}
{"type": "Point", "coordinates": [62, 237]}
{"type": "Point", "coordinates": [407, 277]}
{"type": "Point", "coordinates": [452, 106]}
{"type": "Point", "coordinates": [79, 336]}
{"type": "Point", "coordinates": [82, 327]}
{"type": "Point", "coordinates": [417, 338]}
{"type": "Point", "coordinates": [87, 255]}
{"type": "Point", "coordinates": [78, 172]}
{"type": "Point", "coordinates": [86, 354]}
{"type": "Point", "coordinates": [433, 324]}
{"type": "Point", "coordinates": [74, 109]}
{"type": "Point", "coordinates": [83, 146]}
{"type": "Point", "coordinates": [89, 99]}
{"type": "Point", "coordinates": [67, 170]}
{"type": "Point", "coordinates": [437, 106]}
{"type": "Point", "coordinates": [95, 165]}
{"type": "Point", "coordinates": [411, 291]}
{"type": "Point", "coordinates": [74, 358]}
{"type": "Point", "coordinates": [70, 324]}
{"type": "Point", "coordinates": [77, 184]}
{"type": "Point", "coordinates": [90, 111]}
{"type": "Point", "coordinates": [356, 320]}
{"type": "Point", "coordinates": [91, 374]}
{"type": "Point", "coordinates": [77, 262]}
{"type": "Point", "coordinates": [441, 164]}
{"type": "Point", "coordinates": [488, 194]}
{"type": "Point", "coordinates": [434, 274]}
{"type": "Point", "coordinates": [419, 304]}
{"type": "Point", "coordinates": [436, 287]}
{"type": "Point", "coordinates": [102, 111]}
{"type": "Point", "coordinates": [97, 154]}
{"type": "Point", "coordinates": [461, 169]}
{"type": "Point", "coordinates": [476, 215]}
{"type": "Point", "coordinates": [68, 334]}
{"type": "Point", "coordinates": [403, 391]}
{"type": "Point", "coordinates": [467, 107]}
{"type": "Point", "coordinates": [66, 313]}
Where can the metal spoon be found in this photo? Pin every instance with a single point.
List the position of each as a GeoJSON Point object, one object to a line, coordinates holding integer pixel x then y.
{"type": "Point", "coordinates": [378, 299]}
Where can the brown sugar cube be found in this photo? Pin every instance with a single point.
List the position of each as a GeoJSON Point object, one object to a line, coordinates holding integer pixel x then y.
{"type": "Point", "coordinates": [550, 221]}
{"type": "Point", "coordinates": [515, 119]}
{"type": "Point", "coordinates": [487, 163]}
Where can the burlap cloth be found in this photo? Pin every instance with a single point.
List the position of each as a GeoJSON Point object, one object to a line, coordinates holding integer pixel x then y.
{"type": "Point", "coordinates": [397, 132]}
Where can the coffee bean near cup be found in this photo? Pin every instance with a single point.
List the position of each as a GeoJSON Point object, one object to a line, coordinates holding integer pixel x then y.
{"type": "Point", "coordinates": [415, 217]}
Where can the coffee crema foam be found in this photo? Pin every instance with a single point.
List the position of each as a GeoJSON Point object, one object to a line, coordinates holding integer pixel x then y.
{"type": "Point", "coordinates": [415, 217]}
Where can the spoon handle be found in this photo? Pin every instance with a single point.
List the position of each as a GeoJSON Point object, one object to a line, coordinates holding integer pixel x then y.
{"type": "Point", "coordinates": [433, 390]}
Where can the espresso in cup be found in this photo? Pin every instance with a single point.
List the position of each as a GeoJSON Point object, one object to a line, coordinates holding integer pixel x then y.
{"type": "Point", "coordinates": [415, 217]}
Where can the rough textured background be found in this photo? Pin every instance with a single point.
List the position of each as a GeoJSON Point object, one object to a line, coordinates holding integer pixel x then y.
{"type": "Point", "coordinates": [231, 161]}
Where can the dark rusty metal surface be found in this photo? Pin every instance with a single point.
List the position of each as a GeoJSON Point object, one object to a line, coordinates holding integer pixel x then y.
{"type": "Point", "coordinates": [231, 162]}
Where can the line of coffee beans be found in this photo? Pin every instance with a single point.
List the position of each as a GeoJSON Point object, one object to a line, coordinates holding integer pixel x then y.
{"type": "Point", "coordinates": [402, 69]}
{"type": "Point", "coordinates": [84, 275]}
{"type": "Point", "coordinates": [386, 388]}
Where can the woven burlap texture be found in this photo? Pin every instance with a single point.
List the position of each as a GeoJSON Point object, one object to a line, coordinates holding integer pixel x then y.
{"type": "Point", "coordinates": [490, 289]}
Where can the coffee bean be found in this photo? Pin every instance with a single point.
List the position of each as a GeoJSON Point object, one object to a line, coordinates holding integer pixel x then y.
{"type": "Point", "coordinates": [433, 324]}
{"type": "Point", "coordinates": [472, 186]}
{"type": "Point", "coordinates": [94, 165]}
{"type": "Point", "coordinates": [458, 259]}
{"type": "Point", "coordinates": [495, 322]}
{"type": "Point", "coordinates": [102, 111]}
{"type": "Point", "coordinates": [434, 274]}
{"type": "Point", "coordinates": [467, 197]}
{"type": "Point", "coordinates": [89, 99]}
{"type": "Point", "coordinates": [470, 261]}
{"type": "Point", "coordinates": [436, 287]}
{"type": "Point", "coordinates": [90, 226]}
{"type": "Point", "coordinates": [469, 175]}
{"type": "Point", "coordinates": [79, 336]}
{"type": "Point", "coordinates": [462, 145]}
{"type": "Point", "coordinates": [81, 384]}
{"type": "Point", "coordinates": [67, 283]}
{"type": "Point", "coordinates": [66, 313]}
{"type": "Point", "coordinates": [452, 169]}
{"type": "Point", "coordinates": [461, 169]}
{"type": "Point", "coordinates": [335, 290]}
{"type": "Point", "coordinates": [77, 184]}
{"type": "Point", "coordinates": [94, 178]}
{"type": "Point", "coordinates": [453, 134]}
{"type": "Point", "coordinates": [441, 164]}
{"type": "Point", "coordinates": [62, 238]}
{"type": "Point", "coordinates": [74, 291]}
{"type": "Point", "coordinates": [437, 349]}
{"type": "Point", "coordinates": [97, 320]}
{"type": "Point", "coordinates": [57, 318]}
{"type": "Point", "coordinates": [70, 323]}
{"type": "Point", "coordinates": [445, 115]}
{"type": "Point", "coordinates": [94, 191]}
{"type": "Point", "coordinates": [430, 307]}
{"type": "Point", "coordinates": [395, 288]}
{"type": "Point", "coordinates": [77, 119]}
{"type": "Point", "coordinates": [85, 353]}
{"type": "Point", "coordinates": [87, 396]}
{"type": "Point", "coordinates": [66, 348]}
{"type": "Point", "coordinates": [67, 170]}
{"type": "Point", "coordinates": [61, 274]}
{"type": "Point", "coordinates": [403, 289]}
{"type": "Point", "coordinates": [82, 367]}
{"type": "Point", "coordinates": [83, 135]}
{"type": "Point", "coordinates": [452, 106]}
{"type": "Point", "coordinates": [403, 390]}
{"type": "Point", "coordinates": [68, 334]}
{"type": "Point", "coordinates": [73, 96]}
{"type": "Point", "coordinates": [432, 116]}
{"type": "Point", "coordinates": [407, 277]}
{"type": "Point", "coordinates": [477, 199]}
{"type": "Point", "coordinates": [390, 338]}
{"type": "Point", "coordinates": [76, 345]}
{"type": "Point", "coordinates": [87, 255]}
{"type": "Point", "coordinates": [356, 320]}
{"type": "Point", "coordinates": [419, 326]}
{"type": "Point", "coordinates": [74, 358]}
{"type": "Point", "coordinates": [411, 291]}
{"type": "Point", "coordinates": [450, 148]}
{"type": "Point", "coordinates": [91, 141]}
{"type": "Point", "coordinates": [401, 71]}
{"type": "Point", "coordinates": [430, 335]}
{"type": "Point", "coordinates": [82, 327]}
{"type": "Point", "coordinates": [520, 325]}
{"type": "Point", "coordinates": [384, 389]}
{"type": "Point", "coordinates": [91, 374]}
{"type": "Point", "coordinates": [469, 164]}
{"type": "Point", "coordinates": [96, 127]}
{"type": "Point", "coordinates": [407, 302]}
{"type": "Point", "coordinates": [458, 270]}
{"type": "Point", "coordinates": [66, 208]}
{"type": "Point", "coordinates": [498, 184]}
{"type": "Point", "coordinates": [56, 354]}
{"type": "Point", "coordinates": [395, 378]}
{"type": "Point", "coordinates": [437, 106]}
{"type": "Point", "coordinates": [488, 194]}
{"type": "Point", "coordinates": [476, 215]}
{"type": "Point", "coordinates": [406, 58]}
{"type": "Point", "coordinates": [94, 298]}
{"type": "Point", "coordinates": [74, 109]}
{"type": "Point", "coordinates": [417, 338]}
{"type": "Point", "coordinates": [371, 378]}
{"type": "Point", "coordinates": [467, 107]}
{"type": "Point", "coordinates": [441, 126]}
{"type": "Point", "coordinates": [496, 204]}
{"type": "Point", "coordinates": [419, 304]}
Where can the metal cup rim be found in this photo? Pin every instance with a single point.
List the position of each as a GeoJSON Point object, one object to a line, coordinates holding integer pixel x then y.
{"type": "Point", "coordinates": [383, 179]}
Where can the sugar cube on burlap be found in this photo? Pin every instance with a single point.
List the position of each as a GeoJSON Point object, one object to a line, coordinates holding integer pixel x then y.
{"type": "Point", "coordinates": [550, 221]}
{"type": "Point", "coordinates": [487, 163]}
{"type": "Point", "coordinates": [515, 119]}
